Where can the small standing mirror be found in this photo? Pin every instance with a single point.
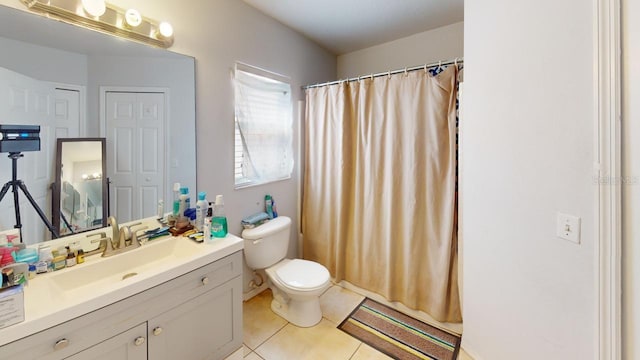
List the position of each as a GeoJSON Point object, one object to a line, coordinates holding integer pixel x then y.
{"type": "Point", "coordinates": [80, 200]}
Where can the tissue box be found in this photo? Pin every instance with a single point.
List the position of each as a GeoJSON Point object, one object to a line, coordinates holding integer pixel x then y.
{"type": "Point", "coordinates": [11, 306]}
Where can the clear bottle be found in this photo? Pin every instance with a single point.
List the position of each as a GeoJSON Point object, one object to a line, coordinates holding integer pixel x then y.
{"type": "Point", "coordinates": [219, 220]}
{"type": "Point", "coordinates": [176, 199]}
{"type": "Point", "coordinates": [201, 209]}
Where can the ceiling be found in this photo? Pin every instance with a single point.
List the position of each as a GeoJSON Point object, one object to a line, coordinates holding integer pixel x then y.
{"type": "Point", "coordinates": [343, 26]}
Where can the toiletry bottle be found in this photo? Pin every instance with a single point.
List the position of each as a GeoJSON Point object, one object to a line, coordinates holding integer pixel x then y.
{"type": "Point", "coordinates": [201, 209]}
{"type": "Point", "coordinates": [71, 258]}
{"type": "Point", "coordinates": [274, 208]}
{"type": "Point", "coordinates": [80, 256]}
{"type": "Point", "coordinates": [32, 271]}
{"type": "Point", "coordinates": [268, 204]}
{"type": "Point", "coordinates": [219, 220]}
{"type": "Point", "coordinates": [59, 259]}
{"type": "Point", "coordinates": [185, 191]}
{"type": "Point", "coordinates": [206, 229]}
{"type": "Point", "coordinates": [183, 201]}
{"type": "Point", "coordinates": [46, 259]}
{"type": "Point", "coordinates": [176, 199]}
{"type": "Point", "coordinates": [160, 209]}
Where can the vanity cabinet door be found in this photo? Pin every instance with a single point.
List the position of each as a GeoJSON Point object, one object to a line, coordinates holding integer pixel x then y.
{"type": "Point", "coordinates": [206, 327]}
{"type": "Point", "coordinates": [129, 345]}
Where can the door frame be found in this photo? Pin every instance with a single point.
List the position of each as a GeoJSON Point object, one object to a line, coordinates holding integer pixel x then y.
{"type": "Point", "coordinates": [607, 177]}
{"type": "Point", "coordinates": [167, 115]}
{"type": "Point", "coordinates": [82, 91]}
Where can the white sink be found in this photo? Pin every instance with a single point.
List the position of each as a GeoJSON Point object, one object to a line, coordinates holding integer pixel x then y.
{"type": "Point", "coordinates": [151, 258]}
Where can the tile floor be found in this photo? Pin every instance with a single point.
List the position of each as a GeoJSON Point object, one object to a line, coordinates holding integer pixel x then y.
{"type": "Point", "coordinates": [267, 336]}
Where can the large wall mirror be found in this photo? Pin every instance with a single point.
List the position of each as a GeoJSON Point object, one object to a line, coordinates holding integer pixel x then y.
{"type": "Point", "coordinates": [80, 200]}
{"type": "Point", "coordinates": [78, 83]}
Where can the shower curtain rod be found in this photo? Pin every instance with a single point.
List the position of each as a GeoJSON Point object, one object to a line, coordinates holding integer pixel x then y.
{"type": "Point", "coordinates": [388, 73]}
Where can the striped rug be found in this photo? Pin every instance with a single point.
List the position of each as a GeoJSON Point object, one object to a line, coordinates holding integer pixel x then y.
{"type": "Point", "coordinates": [398, 335]}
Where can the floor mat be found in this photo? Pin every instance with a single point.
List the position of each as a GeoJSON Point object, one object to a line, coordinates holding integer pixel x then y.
{"type": "Point", "coordinates": [398, 335]}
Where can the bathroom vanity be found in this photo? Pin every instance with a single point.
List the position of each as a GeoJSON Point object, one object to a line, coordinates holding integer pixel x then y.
{"type": "Point", "coordinates": [169, 299]}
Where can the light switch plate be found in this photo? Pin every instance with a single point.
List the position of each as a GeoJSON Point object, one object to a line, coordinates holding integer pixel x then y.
{"type": "Point", "coordinates": [568, 227]}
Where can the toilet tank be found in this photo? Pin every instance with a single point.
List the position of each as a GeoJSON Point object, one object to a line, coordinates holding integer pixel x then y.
{"type": "Point", "coordinates": [267, 244]}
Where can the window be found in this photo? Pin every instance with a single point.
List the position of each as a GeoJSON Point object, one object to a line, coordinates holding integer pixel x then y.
{"type": "Point", "coordinates": [263, 127]}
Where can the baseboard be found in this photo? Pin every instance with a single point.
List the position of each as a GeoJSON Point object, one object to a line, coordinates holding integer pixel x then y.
{"type": "Point", "coordinates": [248, 295]}
{"type": "Point", "coordinates": [237, 355]}
{"type": "Point", "coordinates": [467, 355]}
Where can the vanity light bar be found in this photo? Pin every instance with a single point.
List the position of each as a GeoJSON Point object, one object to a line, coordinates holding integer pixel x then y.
{"type": "Point", "coordinates": [113, 21]}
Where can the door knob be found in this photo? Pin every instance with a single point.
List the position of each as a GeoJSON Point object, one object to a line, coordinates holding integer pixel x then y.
{"type": "Point", "coordinates": [139, 341]}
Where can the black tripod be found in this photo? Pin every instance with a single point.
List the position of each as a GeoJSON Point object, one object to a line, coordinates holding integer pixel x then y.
{"type": "Point", "coordinates": [15, 184]}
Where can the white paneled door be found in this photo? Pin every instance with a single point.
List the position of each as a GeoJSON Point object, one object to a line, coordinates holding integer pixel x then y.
{"type": "Point", "coordinates": [67, 113]}
{"type": "Point", "coordinates": [135, 125]}
{"type": "Point", "coordinates": [27, 101]}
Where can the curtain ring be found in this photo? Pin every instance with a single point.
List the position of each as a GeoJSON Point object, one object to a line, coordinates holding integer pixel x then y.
{"type": "Point", "coordinates": [456, 61]}
{"type": "Point", "coordinates": [405, 71]}
{"type": "Point", "coordinates": [425, 68]}
{"type": "Point", "coordinates": [371, 76]}
{"type": "Point", "coordinates": [389, 74]}
{"type": "Point", "coordinates": [440, 64]}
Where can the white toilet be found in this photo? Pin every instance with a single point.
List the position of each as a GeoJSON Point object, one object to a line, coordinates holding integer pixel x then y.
{"type": "Point", "coordinates": [296, 284]}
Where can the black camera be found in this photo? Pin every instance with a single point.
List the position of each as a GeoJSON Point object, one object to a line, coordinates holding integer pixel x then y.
{"type": "Point", "coordinates": [19, 138]}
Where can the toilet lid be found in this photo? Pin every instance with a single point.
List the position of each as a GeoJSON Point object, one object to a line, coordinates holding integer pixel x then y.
{"type": "Point", "coordinates": [303, 274]}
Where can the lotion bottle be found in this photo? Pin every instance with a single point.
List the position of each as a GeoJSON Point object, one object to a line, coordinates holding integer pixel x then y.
{"type": "Point", "coordinates": [201, 209]}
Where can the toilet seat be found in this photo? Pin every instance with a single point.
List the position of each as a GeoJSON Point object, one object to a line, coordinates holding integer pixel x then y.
{"type": "Point", "coordinates": [301, 275]}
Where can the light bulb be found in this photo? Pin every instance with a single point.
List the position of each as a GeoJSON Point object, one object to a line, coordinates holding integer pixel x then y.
{"type": "Point", "coordinates": [94, 8]}
{"type": "Point", "coordinates": [133, 17]}
{"type": "Point", "coordinates": [165, 29]}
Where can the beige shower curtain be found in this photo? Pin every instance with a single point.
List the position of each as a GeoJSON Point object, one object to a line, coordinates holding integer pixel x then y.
{"type": "Point", "coordinates": [379, 203]}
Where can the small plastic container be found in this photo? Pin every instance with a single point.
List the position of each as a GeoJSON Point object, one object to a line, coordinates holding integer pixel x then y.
{"type": "Point", "coordinates": [28, 255]}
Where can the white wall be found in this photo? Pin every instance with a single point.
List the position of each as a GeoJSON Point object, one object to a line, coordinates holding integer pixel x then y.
{"type": "Point", "coordinates": [527, 138]}
{"type": "Point", "coordinates": [427, 47]}
{"type": "Point", "coordinates": [631, 175]}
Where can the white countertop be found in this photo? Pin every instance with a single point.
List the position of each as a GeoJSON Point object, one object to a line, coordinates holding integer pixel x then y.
{"type": "Point", "coordinates": [47, 304]}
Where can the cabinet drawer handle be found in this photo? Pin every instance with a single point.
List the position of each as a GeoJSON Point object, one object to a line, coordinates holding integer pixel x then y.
{"type": "Point", "coordinates": [139, 341]}
{"type": "Point", "coordinates": [205, 280]}
{"type": "Point", "coordinates": [61, 344]}
{"type": "Point", "coordinates": [157, 331]}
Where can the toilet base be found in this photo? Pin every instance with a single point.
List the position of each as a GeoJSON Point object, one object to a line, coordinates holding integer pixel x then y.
{"type": "Point", "coordinates": [302, 313]}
